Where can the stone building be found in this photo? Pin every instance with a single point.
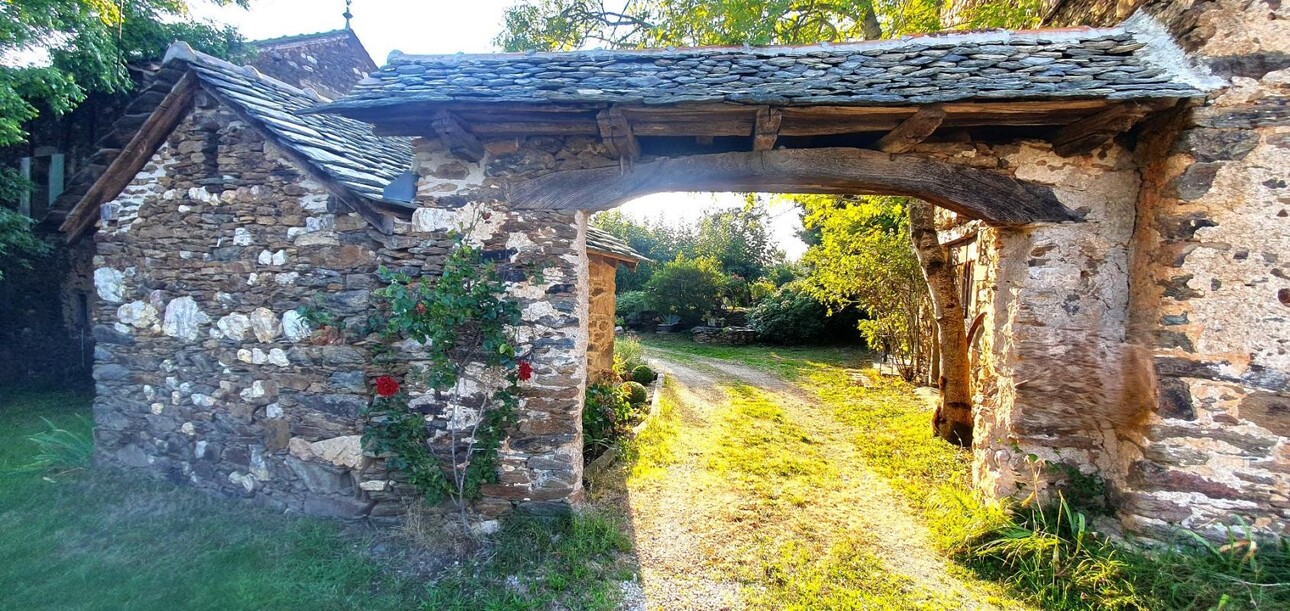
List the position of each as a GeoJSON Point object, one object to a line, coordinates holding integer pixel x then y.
{"type": "Point", "coordinates": [45, 328]}
{"type": "Point", "coordinates": [1125, 255]}
{"type": "Point", "coordinates": [604, 254]}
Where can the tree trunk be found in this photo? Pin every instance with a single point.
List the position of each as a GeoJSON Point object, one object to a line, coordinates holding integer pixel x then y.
{"type": "Point", "coordinates": [953, 419]}
{"type": "Point", "coordinates": [869, 24]}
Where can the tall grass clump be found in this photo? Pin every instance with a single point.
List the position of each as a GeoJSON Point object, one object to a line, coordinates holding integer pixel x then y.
{"type": "Point", "coordinates": [60, 451]}
{"type": "Point", "coordinates": [1053, 556]}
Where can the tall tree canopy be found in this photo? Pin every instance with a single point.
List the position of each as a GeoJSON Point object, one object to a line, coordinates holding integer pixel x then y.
{"type": "Point", "coordinates": [53, 53]}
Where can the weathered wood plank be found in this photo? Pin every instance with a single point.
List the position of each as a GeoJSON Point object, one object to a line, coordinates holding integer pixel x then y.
{"type": "Point", "coordinates": [1091, 132]}
{"type": "Point", "coordinates": [913, 130]}
{"type": "Point", "coordinates": [461, 142]}
{"type": "Point", "coordinates": [766, 130]}
{"type": "Point", "coordinates": [982, 194]}
{"type": "Point", "coordinates": [617, 134]}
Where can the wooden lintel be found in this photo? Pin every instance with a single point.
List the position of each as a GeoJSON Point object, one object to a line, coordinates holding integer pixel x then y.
{"type": "Point", "coordinates": [911, 131]}
{"type": "Point", "coordinates": [1093, 131]}
{"type": "Point", "coordinates": [616, 132]}
{"type": "Point", "coordinates": [462, 143]}
{"type": "Point", "coordinates": [977, 193]}
{"type": "Point", "coordinates": [766, 130]}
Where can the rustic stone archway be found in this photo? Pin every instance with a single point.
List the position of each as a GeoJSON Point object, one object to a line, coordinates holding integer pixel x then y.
{"type": "Point", "coordinates": [1096, 350]}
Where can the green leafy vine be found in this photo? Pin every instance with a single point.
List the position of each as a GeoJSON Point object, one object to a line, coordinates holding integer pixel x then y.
{"type": "Point", "coordinates": [464, 323]}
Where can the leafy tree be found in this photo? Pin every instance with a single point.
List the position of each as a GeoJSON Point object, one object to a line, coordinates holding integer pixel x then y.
{"type": "Point", "coordinates": [560, 25]}
{"type": "Point", "coordinates": [739, 240]}
{"type": "Point", "coordinates": [59, 51]}
{"type": "Point", "coordinates": [688, 288]}
{"type": "Point", "coordinates": [864, 259]}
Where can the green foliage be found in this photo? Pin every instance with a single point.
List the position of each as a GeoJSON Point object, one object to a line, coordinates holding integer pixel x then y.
{"type": "Point", "coordinates": [460, 319]}
{"type": "Point", "coordinates": [687, 288]}
{"type": "Point", "coordinates": [392, 430]}
{"type": "Point", "coordinates": [1012, 14]}
{"type": "Point", "coordinates": [61, 450]}
{"type": "Point", "coordinates": [643, 374]}
{"type": "Point", "coordinates": [792, 316]}
{"type": "Point", "coordinates": [16, 240]}
{"type": "Point", "coordinates": [864, 258]}
{"type": "Point", "coordinates": [635, 392]}
{"type": "Point", "coordinates": [738, 240]}
{"type": "Point", "coordinates": [606, 417]}
{"type": "Point", "coordinates": [86, 45]}
{"type": "Point", "coordinates": [552, 25]}
{"type": "Point", "coordinates": [631, 305]}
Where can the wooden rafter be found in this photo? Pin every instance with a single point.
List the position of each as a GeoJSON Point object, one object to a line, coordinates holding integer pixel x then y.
{"type": "Point", "coordinates": [616, 132]}
{"type": "Point", "coordinates": [766, 130]}
{"type": "Point", "coordinates": [169, 112]}
{"type": "Point", "coordinates": [461, 142]}
{"type": "Point", "coordinates": [976, 193]}
{"type": "Point", "coordinates": [911, 131]}
{"type": "Point", "coordinates": [1093, 131]}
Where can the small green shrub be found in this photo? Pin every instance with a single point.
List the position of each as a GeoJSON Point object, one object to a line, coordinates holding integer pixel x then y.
{"type": "Point", "coordinates": [636, 393]}
{"type": "Point", "coordinates": [606, 414]}
{"type": "Point", "coordinates": [643, 374]}
{"type": "Point", "coordinates": [632, 305]}
{"type": "Point", "coordinates": [60, 451]}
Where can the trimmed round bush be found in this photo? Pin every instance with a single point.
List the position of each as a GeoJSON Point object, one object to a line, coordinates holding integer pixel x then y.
{"type": "Point", "coordinates": [643, 374]}
{"type": "Point", "coordinates": [635, 391]}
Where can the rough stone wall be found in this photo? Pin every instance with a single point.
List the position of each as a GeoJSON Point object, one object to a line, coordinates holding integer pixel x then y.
{"type": "Point", "coordinates": [205, 373]}
{"type": "Point", "coordinates": [600, 325]}
{"type": "Point", "coordinates": [1211, 298]}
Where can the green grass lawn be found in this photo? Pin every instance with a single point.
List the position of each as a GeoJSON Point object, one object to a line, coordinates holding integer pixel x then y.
{"type": "Point", "coordinates": [96, 539]}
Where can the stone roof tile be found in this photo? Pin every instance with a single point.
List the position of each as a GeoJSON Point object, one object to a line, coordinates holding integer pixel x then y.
{"type": "Point", "coordinates": [607, 243]}
{"type": "Point", "coordinates": [341, 149]}
{"type": "Point", "coordinates": [1132, 61]}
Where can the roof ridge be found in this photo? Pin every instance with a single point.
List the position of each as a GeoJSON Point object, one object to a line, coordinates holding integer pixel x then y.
{"type": "Point", "coordinates": [181, 51]}
{"type": "Point", "coordinates": [300, 37]}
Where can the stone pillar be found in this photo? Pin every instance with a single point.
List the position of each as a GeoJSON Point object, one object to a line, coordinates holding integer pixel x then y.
{"type": "Point", "coordinates": [1051, 355]}
{"type": "Point", "coordinates": [600, 348]}
{"type": "Point", "coordinates": [543, 258]}
{"type": "Point", "coordinates": [1211, 289]}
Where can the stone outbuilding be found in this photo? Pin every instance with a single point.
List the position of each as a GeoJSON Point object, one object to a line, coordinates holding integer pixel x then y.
{"type": "Point", "coordinates": [1123, 205]}
{"type": "Point", "coordinates": [605, 253]}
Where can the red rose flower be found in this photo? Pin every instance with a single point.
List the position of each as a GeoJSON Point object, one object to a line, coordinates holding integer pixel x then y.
{"type": "Point", "coordinates": [525, 372]}
{"type": "Point", "coordinates": [386, 386]}
{"type": "Point", "coordinates": [421, 308]}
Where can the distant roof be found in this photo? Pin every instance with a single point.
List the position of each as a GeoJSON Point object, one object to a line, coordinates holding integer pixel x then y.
{"type": "Point", "coordinates": [1131, 61]}
{"type": "Point", "coordinates": [606, 243]}
{"type": "Point", "coordinates": [283, 41]}
{"type": "Point", "coordinates": [336, 148]}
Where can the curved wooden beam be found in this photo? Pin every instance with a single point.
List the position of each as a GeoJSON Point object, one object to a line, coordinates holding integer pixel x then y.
{"type": "Point", "coordinates": [981, 194]}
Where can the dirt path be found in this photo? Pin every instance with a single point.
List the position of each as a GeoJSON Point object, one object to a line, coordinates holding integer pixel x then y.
{"type": "Point", "coordinates": [703, 534]}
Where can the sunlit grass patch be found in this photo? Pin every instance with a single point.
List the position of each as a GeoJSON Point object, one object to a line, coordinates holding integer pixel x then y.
{"type": "Point", "coordinates": [761, 450]}
{"type": "Point", "coordinates": [654, 447]}
{"type": "Point", "coordinates": [846, 576]}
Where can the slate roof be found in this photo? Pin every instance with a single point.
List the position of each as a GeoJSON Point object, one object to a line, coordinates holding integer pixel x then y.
{"type": "Point", "coordinates": [1135, 60]}
{"type": "Point", "coordinates": [342, 149]}
{"type": "Point", "coordinates": [605, 242]}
